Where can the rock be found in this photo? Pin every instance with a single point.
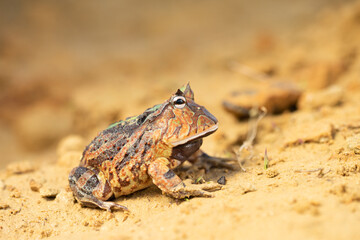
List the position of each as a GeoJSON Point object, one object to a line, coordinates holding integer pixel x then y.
{"type": "Point", "coordinates": [35, 186]}
{"type": "Point", "coordinates": [14, 211]}
{"type": "Point", "coordinates": [346, 169]}
{"type": "Point", "coordinates": [321, 74]}
{"type": "Point", "coordinates": [222, 180]}
{"type": "Point", "coordinates": [64, 197]}
{"type": "Point", "coordinates": [20, 167]}
{"type": "Point", "coordinates": [271, 173]}
{"type": "Point", "coordinates": [353, 143]}
{"type": "Point", "coordinates": [14, 192]}
{"type": "Point", "coordinates": [49, 192]}
{"type": "Point", "coordinates": [69, 144]}
{"type": "Point", "coordinates": [69, 159]}
{"type": "Point", "coordinates": [70, 150]}
{"type": "Point", "coordinates": [275, 97]}
{"type": "Point", "coordinates": [308, 133]}
{"type": "Point", "coordinates": [246, 188]}
{"type": "Point", "coordinates": [4, 205]}
{"type": "Point", "coordinates": [331, 96]}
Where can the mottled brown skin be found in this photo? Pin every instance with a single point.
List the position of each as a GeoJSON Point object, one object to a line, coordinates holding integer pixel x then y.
{"type": "Point", "coordinates": [133, 154]}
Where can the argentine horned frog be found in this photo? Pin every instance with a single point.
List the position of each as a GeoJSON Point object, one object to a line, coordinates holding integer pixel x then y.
{"type": "Point", "coordinates": [133, 154]}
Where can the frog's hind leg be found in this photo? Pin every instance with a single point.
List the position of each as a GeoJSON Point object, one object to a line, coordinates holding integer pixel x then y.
{"type": "Point", "coordinates": [169, 183]}
{"type": "Point", "coordinates": [90, 189]}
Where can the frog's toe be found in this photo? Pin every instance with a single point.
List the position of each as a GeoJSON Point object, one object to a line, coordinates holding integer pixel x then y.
{"type": "Point", "coordinates": [210, 186]}
{"type": "Point", "coordinates": [195, 190]}
{"type": "Point", "coordinates": [109, 206]}
{"type": "Point", "coordinates": [199, 193]}
{"type": "Point", "coordinates": [185, 193]}
{"type": "Point", "coordinates": [91, 201]}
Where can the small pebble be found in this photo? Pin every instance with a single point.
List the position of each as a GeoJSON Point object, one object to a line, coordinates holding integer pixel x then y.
{"type": "Point", "coordinates": [275, 97]}
{"type": "Point", "coordinates": [20, 167]}
{"type": "Point", "coordinates": [64, 197]}
{"type": "Point", "coordinates": [353, 143]}
{"type": "Point", "coordinates": [14, 211]}
{"type": "Point", "coordinates": [69, 144]}
{"type": "Point", "coordinates": [271, 173]}
{"type": "Point", "coordinates": [222, 180]}
{"type": "Point", "coordinates": [247, 188]}
{"type": "Point", "coordinates": [35, 186]}
{"type": "Point", "coordinates": [4, 205]}
{"type": "Point", "coordinates": [69, 159]}
{"type": "Point", "coordinates": [319, 75]}
{"type": "Point", "coordinates": [14, 192]}
{"type": "Point", "coordinates": [49, 192]}
{"type": "Point", "coordinates": [331, 96]}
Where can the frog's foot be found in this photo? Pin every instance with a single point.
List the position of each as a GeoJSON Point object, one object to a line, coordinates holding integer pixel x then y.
{"type": "Point", "coordinates": [204, 161]}
{"type": "Point", "coordinates": [172, 185]}
{"type": "Point", "coordinates": [91, 201]}
{"type": "Point", "coordinates": [90, 191]}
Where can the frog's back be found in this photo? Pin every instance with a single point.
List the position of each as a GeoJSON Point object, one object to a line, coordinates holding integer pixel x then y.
{"type": "Point", "coordinates": [119, 140]}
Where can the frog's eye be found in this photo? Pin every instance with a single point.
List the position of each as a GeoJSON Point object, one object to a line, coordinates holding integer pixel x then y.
{"type": "Point", "coordinates": [179, 101]}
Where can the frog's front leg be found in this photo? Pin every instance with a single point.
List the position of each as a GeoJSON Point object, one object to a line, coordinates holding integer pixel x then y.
{"type": "Point", "coordinates": [170, 184]}
{"type": "Point", "coordinates": [90, 189]}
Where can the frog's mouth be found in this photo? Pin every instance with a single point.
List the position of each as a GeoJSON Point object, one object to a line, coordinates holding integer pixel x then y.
{"type": "Point", "coordinates": [196, 136]}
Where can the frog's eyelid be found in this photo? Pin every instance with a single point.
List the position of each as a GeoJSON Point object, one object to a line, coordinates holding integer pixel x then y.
{"type": "Point", "coordinates": [178, 105]}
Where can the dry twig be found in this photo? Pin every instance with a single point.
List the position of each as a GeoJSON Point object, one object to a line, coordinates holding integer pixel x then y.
{"type": "Point", "coordinates": [248, 143]}
{"type": "Point", "coordinates": [308, 171]}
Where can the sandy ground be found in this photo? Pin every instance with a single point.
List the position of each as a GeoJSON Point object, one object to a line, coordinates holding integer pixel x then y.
{"type": "Point", "coordinates": [56, 96]}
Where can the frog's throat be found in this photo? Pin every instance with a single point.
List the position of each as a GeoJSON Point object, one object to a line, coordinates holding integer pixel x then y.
{"type": "Point", "coordinates": [196, 136]}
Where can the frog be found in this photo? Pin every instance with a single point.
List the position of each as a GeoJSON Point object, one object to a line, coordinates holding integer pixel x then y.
{"type": "Point", "coordinates": [134, 153]}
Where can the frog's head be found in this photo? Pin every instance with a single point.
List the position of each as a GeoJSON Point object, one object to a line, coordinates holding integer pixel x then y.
{"type": "Point", "coordinates": [186, 120]}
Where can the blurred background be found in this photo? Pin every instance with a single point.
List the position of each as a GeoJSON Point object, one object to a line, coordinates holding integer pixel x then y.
{"type": "Point", "coordinates": [74, 67]}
